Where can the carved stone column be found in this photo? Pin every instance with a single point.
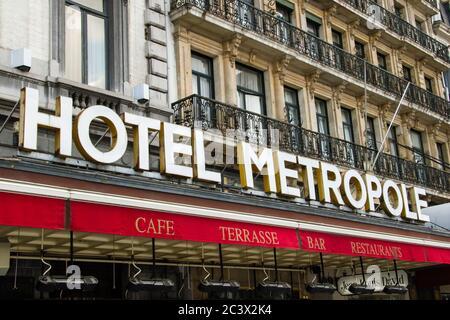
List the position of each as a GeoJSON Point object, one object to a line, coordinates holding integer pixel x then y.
{"type": "Point", "coordinates": [311, 80]}
{"type": "Point", "coordinates": [336, 114]}
{"type": "Point", "coordinates": [280, 68]}
{"type": "Point", "coordinates": [183, 56]}
{"type": "Point", "coordinates": [409, 121]}
{"type": "Point", "coordinates": [230, 52]}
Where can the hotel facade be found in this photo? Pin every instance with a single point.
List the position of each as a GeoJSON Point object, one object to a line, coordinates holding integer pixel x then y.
{"type": "Point", "coordinates": [200, 149]}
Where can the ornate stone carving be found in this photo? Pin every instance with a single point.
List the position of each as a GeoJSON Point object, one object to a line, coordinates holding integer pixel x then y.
{"type": "Point", "coordinates": [231, 48]}
{"type": "Point", "coordinates": [302, 4]}
{"type": "Point", "coordinates": [252, 56]}
{"type": "Point", "coordinates": [409, 120]}
{"type": "Point", "coordinates": [435, 129]}
{"type": "Point", "coordinates": [337, 93]}
{"type": "Point", "coordinates": [351, 27]}
{"type": "Point", "coordinates": [329, 13]}
{"type": "Point", "coordinates": [281, 66]}
{"type": "Point", "coordinates": [311, 81]}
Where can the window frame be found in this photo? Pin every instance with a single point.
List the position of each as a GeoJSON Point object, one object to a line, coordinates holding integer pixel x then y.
{"type": "Point", "coordinates": [296, 106]}
{"type": "Point", "coordinates": [416, 151]}
{"type": "Point", "coordinates": [316, 27]}
{"type": "Point", "coordinates": [85, 11]}
{"type": "Point", "coordinates": [323, 116]}
{"type": "Point", "coordinates": [360, 44]}
{"type": "Point", "coordinates": [429, 81]}
{"type": "Point", "coordinates": [200, 75]}
{"type": "Point", "coordinates": [348, 125]}
{"type": "Point", "coordinates": [371, 133]}
{"type": "Point", "coordinates": [393, 140]}
{"type": "Point", "coordinates": [384, 59]}
{"type": "Point", "coordinates": [247, 91]}
{"type": "Point", "coordinates": [340, 36]}
{"type": "Point", "coordinates": [409, 72]}
{"type": "Point", "coordinates": [441, 154]}
{"type": "Point", "coordinates": [117, 46]}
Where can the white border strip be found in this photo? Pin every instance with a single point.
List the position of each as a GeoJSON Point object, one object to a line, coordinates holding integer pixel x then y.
{"type": "Point", "coordinates": [94, 197]}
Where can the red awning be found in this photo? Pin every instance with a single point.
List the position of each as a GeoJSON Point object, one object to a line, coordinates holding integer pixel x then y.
{"type": "Point", "coordinates": [357, 246]}
{"type": "Point", "coordinates": [100, 218]}
{"type": "Point", "coordinates": [31, 211]}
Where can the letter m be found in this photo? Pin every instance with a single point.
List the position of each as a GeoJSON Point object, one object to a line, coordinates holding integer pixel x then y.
{"type": "Point", "coordinates": [249, 161]}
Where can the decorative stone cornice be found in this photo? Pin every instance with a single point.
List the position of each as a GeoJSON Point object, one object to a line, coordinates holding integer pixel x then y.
{"type": "Point", "coordinates": [181, 33]}
{"type": "Point", "coordinates": [231, 47]}
{"type": "Point", "coordinates": [351, 28]}
{"type": "Point", "coordinates": [374, 37]}
{"type": "Point", "coordinates": [302, 4]}
{"type": "Point", "coordinates": [252, 56]}
{"type": "Point", "coordinates": [435, 129]}
{"type": "Point", "coordinates": [383, 110]}
{"type": "Point", "coordinates": [409, 120]}
{"type": "Point", "coordinates": [337, 93]}
{"type": "Point", "coordinates": [311, 81]}
{"type": "Point", "coordinates": [329, 13]}
{"type": "Point", "coordinates": [281, 67]}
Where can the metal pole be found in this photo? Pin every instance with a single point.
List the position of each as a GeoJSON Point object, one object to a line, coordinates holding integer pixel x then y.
{"type": "Point", "coordinates": [390, 125]}
{"type": "Point", "coordinates": [71, 247]}
{"type": "Point", "coordinates": [322, 271]}
{"type": "Point", "coordinates": [396, 271]}
{"type": "Point", "coordinates": [221, 261]}
{"type": "Point", "coordinates": [362, 269]}
{"type": "Point", "coordinates": [9, 117]}
{"type": "Point", "coordinates": [276, 264]}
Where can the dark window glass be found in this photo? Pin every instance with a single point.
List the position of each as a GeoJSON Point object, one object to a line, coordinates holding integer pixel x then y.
{"type": "Point", "coordinates": [250, 89]}
{"type": "Point", "coordinates": [419, 25]}
{"type": "Point", "coordinates": [347, 125]}
{"type": "Point", "coordinates": [371, 136]}
{"type": "Point", "coordinates": [407, 73]}
{"type": "Point", "coordinates": [337, 39]}
{"type": "Point", "coordinates": [202, 76]}
{"type": "Point", "coordinates": [323, 127]}
{"type": "Point", "coordinates": [313, 27]}
{"type": "Point", "coordinates": [416, 139]}
{"type": "Point", "coordinates": [393, 143]}
{"type": "Point", "coordinates": [382, 61]}
{"type": "Point", "coordinates": [398, 11]}
{"type": "Point", "coordinates": [360, 50]}
{"type": "Point", "coordinates": [440, 150]}
{"type": "Point", "coordinates": [429, 84]}
{"type": "Point", "coordinates": [283, 12]}
{"type": "Point", "coordinates": [292, 106]}
{"type": "Point", "coordinates": [322, 116]}
{"type": "Point", "coordinates": [86, 42]}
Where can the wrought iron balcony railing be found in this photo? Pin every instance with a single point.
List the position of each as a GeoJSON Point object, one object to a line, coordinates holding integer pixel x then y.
{"type": "Point", "coordinates": [401, 27]}
{"type": "Point", "coordinates": [199, 112]}
{"type": "Point", "coordinates": [269, 26]}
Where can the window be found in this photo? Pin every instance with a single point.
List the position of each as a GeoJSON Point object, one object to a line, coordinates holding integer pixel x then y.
{"type": "Point", "coordinates": [407, 74]}
{"type": "Point", "coordinates": [292, 106]}
{"type": "Point", "coordinates": [323, 128]}
{"type": "Point", "coordinates": [393, 143]}
{"type": "Point", "coordinates": [370, 134]}
{"type": "Point", "coordinates": [429, 84]}
{"type": "Point", "coordinates": [246, 13]}
{"type": "Point", "coordinates": [416, 139]}
{"type": "Point", "coordinates": [86, 42]}
{"type": "Point", "coordinates": [322, 116]}
{"type": "Point", "coordinates": [313, 27]}
{"type": "Point", "coordinates": [337, 39]}
{"type": "Point", "coordinates": [202, 76]}
{"type": "Point", "coordinates": [419, 25]}
{"type": "Point", "coordinates": [360, 50]}
{"type": "Point", "coordinates": [440, 150]}
{"type": "Point", "coordinates": [293, 116]}
{"type": "Point", "coordinates": [382, 61]}
{"type": "Point", "coordinates": [250, 89]}
{"type": "Point", "coordinates": [398, 10]}
{"type": "Point", "coordinates": [347, 125]}
{"type": "Point", "coordinates": [284, 13]}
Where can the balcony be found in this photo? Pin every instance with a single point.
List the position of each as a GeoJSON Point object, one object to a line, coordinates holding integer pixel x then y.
{"type": "Point", "coordinates": [294, 39]}
{"type": "Point", "coordinates": [200, 112]}
{"type": "Point", "coordinates": [402, 28]}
